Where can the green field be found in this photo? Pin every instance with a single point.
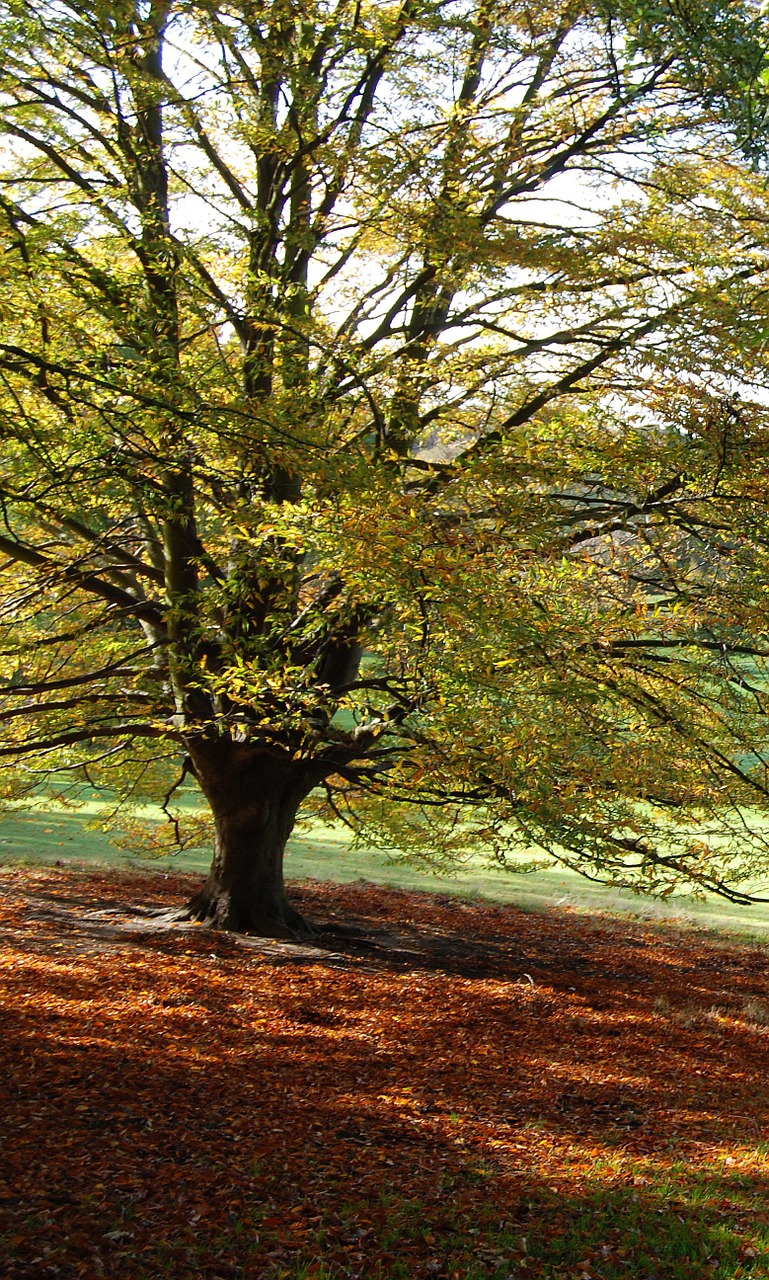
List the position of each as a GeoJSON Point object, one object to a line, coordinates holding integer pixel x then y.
{"type": "Point", "coordinates": [50, 833]}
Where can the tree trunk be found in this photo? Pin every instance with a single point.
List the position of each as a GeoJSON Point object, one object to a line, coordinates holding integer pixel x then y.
{"type": "Point", "coordinates": [254, 797]}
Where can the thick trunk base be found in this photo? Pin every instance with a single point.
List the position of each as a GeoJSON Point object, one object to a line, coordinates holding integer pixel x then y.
{"type": "Point", "coordinates": [254, 798]}
{"type": "Point", "coordinates": [218, 908]}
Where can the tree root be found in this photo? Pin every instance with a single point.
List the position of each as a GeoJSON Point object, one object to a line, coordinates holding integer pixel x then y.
{"type": "Point", "coordinates": [217, 911]}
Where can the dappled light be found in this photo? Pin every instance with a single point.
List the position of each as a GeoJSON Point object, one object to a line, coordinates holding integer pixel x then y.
{"type": "Point", "coordinates": [436, 1088]}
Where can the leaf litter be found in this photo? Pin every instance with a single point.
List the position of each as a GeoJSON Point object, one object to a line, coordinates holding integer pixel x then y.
{"type": "Point", "coordinates": [434, 1088]}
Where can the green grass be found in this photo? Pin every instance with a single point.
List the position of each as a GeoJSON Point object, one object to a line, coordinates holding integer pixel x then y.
{"type": "Point", "coordinates": [49, 833]}
{"type": "Point", "coordinates": [677, 1223]}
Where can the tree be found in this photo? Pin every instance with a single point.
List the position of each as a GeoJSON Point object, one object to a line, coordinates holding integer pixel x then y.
{"type": "Point", "coordinates": [321, 475]}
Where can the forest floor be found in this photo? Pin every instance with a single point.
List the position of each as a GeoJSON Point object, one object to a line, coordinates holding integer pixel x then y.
{"type": "Point", "coordinates": [436, 1088]}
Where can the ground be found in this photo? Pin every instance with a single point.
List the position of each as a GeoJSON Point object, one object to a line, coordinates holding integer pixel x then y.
{"type": "Point", "coordinates": [437, 1088]}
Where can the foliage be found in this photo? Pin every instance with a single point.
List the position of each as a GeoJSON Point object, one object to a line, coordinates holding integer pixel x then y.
{"type": "Point", "coordinates": [368, 420]}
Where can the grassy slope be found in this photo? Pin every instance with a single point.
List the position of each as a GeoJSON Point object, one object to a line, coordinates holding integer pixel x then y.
{"type": "Point", "coordinates": [50, 834]}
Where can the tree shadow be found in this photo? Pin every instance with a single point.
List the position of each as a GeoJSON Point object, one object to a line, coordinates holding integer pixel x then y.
{"type": "Point", "coordinates": [192, 1107]}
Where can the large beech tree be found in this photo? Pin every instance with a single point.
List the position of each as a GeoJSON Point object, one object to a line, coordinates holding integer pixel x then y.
{"type": "Point", "coordinates": [368, 429]}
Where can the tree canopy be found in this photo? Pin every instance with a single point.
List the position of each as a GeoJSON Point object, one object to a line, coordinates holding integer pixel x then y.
{"type": "Point", "coordinates": [382, 428]}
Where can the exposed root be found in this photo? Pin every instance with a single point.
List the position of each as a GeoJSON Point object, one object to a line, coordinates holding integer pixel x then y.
{"type": "Point", "coordinates": [217, 911]}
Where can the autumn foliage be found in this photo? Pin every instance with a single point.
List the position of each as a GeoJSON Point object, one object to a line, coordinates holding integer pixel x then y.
{"type": "Point", "coordinates": [449, 1089]}
{"type": "Point", "coordinates": [384, 430]}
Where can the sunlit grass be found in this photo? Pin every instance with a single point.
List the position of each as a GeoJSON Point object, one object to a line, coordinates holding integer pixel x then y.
{"type": "Point", "coordinates": [48, 833]}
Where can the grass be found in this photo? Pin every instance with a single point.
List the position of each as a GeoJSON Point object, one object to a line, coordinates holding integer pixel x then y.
{"type": "Point", "coordinates": [672, 1223]}
{"type": "Point", "coordinates": [676, 1229]}
{"type": "Point", "coordinates": [49, 834]}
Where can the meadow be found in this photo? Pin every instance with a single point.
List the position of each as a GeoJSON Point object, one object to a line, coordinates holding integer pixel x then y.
{"type": "Point", "coordinates": [50, 834]}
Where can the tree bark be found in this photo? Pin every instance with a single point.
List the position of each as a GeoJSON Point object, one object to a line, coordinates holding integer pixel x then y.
{"type": "Point", "coordinates": [254, 797]}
